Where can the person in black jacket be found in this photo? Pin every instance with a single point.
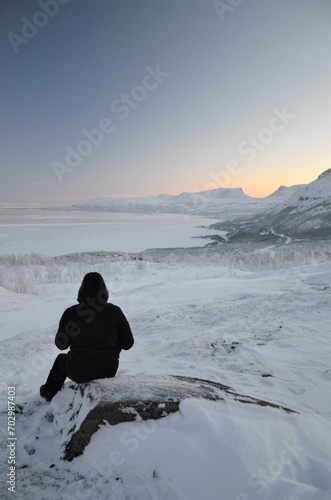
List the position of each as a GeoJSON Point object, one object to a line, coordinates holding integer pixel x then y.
{"type": "Point", "coordinates": [96, 332]}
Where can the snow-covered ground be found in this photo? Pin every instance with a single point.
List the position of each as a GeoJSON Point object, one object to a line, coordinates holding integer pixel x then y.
{"type": "Point", "coordinates": [258, 322]}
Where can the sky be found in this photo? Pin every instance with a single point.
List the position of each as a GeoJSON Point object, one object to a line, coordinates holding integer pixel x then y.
{"type": "Point", "coordinates": [141, 97]}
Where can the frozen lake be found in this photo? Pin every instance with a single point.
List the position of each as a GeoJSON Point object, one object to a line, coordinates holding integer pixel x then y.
{"type": "Point", "coordinates": [31, 230]}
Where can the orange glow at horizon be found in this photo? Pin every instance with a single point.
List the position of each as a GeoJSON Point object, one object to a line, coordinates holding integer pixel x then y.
{"type": "Point", "coordinates": [258, 184]}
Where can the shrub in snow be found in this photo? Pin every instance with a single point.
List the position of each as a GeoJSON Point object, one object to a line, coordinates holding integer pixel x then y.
{"type": "Point", "coordinates": [23, 273]}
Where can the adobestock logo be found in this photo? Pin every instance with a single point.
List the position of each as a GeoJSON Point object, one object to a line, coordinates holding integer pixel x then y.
{"type": "Point", "coordinates": [223, 6]}
{"type": "Point", "coordinates": [249, 149]}
{"type": "Point", "coordinates": [104, 470]}
{"type": "Point", "coordinates": [30, 28]}
{"type": "Point", "coordinates": [74, 156]}
{"type": "Point", "coordinates": [123, 107]}
{"type": "Point", "coordinates": [264, 478]}
{"type": "Point", "coordinates": [278, 122]}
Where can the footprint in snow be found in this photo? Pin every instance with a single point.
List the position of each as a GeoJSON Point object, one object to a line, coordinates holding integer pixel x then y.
{"type": "Point", "coordinates": [297, 390]}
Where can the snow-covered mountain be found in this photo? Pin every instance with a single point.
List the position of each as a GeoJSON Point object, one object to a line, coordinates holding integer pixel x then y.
{"type": "Point", "coordinates": [212, 203]}
{"type": "Point", "coordinates": [307, 213]}
{"type": "Point", "coordinates": [164, 203]}
{"type": "Point", "coordinates": [284, 192]}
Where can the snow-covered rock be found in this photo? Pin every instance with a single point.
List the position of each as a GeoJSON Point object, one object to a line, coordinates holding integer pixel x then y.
{"type": "Point", "coordinates": [78, 410]}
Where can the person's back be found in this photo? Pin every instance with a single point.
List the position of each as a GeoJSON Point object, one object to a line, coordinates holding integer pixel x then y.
{"type": "Point", "coordinates": [96, 332]}
{"type": "Point", "coordinates": [96, 340]}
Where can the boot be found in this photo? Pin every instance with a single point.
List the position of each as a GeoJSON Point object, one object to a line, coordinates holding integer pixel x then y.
{"type": "Point", "coordinates": [44, 394]}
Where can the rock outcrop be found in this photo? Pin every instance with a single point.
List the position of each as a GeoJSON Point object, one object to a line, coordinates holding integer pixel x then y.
{"type": "Point", "coordinates": [80, 409]}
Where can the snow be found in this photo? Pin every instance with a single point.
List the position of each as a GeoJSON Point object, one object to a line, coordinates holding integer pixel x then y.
{"type": "Point", "coordinates": [304, 214]}
{"type": "Point", "coordinates": [73, 231]}
{"type": "Point", "coordinates": [284, 192]}
{"type": "Point", "coordinates": [308, 196]}
{"type": "Point", "coordinates": [260, 325]}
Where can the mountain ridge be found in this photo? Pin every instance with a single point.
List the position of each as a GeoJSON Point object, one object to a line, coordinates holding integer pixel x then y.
{"type": "Point", "coordinates": [306, 213]}
{"type": "Point", "coordinates": [210, 202]}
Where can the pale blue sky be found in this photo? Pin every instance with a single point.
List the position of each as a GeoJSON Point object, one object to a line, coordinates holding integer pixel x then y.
{"type": "Point", "coordinates": [223, 77]}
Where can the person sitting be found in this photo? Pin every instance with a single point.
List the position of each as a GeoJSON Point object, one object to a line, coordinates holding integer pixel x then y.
{"type": "Point", "coordinates": [96, 332]}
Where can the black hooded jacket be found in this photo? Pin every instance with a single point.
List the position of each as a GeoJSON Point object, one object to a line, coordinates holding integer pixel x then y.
{"type": "Point", "coordinates": [95, 332]}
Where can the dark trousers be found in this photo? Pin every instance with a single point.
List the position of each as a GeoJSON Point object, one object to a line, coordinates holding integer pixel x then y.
{"type": "Point", "coordinates": [57, 375]}
{"type": "Point", "coordinates": [59, 372]}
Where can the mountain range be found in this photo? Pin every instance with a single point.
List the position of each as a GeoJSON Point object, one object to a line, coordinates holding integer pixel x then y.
{"type": "Point", "coordinates": [213, 203]}
{"type": "Point", "coordinates": [305, 214]}
{"type": "Point", "coordinates": [298, 211]}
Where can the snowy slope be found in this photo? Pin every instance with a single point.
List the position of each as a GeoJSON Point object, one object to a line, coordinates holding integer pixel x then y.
{"type": "Point", "coordinates": [265, 333]}
{"type": "Point", "coordinates": [317, 193]}
{"type": "Point", "coordinates": [307, 213]}
{"type": "Point", "coordinates": [284, 192]}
